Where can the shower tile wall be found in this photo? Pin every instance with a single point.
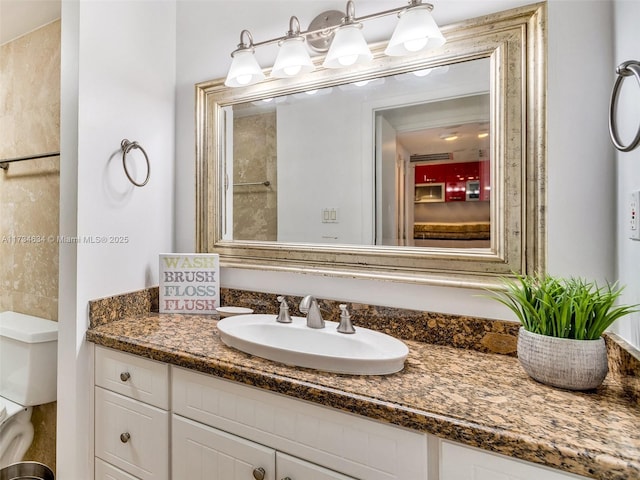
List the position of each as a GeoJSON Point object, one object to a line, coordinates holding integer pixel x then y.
{"type": "Point", "coordinates": [255, 207]}
{"type": "Point", "coordinates": [30, 191]}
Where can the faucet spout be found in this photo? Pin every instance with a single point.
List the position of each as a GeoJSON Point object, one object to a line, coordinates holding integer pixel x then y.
{"type": "Point", "coordinates": [309, 305]}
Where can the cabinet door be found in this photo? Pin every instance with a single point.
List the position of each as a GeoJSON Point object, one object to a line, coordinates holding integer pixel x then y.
{"type": "Point", "coordinates": [292, 468]}
{"type": "Point", "coordinates": [458, 462]}
{"type": "Point", "coordinates": [105, 471]}
{"type": "Point", "coordinates": [132, 435]}
{"type": "Point", "coordinates": [422, 174]}
{"type": "Point", "coordinates": [204, 453]}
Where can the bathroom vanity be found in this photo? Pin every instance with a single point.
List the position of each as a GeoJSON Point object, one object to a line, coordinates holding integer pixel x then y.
{"type": "Point", "coordinates": [172, 401]}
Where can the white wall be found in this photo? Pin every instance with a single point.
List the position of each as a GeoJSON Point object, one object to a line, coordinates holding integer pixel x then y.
{"type": "Point", "coordinates": [627, 40]}
{"type": "Point", "coordinates": [580, 157]}
{"type": "Point", "coordinates": [118, 82]}
{"type": "Point", "coordinates": [314, 153]}
{"type": "Point", "coordinates": [580, 160]}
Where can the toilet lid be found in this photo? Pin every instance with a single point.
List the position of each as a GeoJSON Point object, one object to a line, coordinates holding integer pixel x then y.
{"type": "Point", "coordinates": [3, 411]}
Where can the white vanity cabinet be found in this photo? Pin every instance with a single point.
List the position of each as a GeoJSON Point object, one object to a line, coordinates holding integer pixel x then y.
{"type": "Point", "coordinates": [458, 462]}
{"type": "Point", "coordinates": [159, 422]}
{"type": "Point", "coordinates": [305, 441]}
{"type": "Point", "coordinates": [131, 417]}
{"type": "Point", "coordinates": [202, 453]}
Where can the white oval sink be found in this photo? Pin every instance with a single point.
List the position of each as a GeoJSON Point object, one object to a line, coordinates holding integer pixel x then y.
{"type": "Point", "coordinates": [365, 352]}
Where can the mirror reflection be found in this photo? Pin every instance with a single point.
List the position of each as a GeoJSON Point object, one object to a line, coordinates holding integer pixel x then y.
{"type": "Point", "coordinates": [399, 160]}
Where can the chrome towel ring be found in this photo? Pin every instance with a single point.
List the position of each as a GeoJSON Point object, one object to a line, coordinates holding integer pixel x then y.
{"type": "Point", "coordinates": [127, 146]}
{"type": "Point", "coordinates": [625, 69]}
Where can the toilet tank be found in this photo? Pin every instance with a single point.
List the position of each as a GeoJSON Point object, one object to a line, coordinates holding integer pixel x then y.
{"type": "Point", "coordinates": [28, 358]}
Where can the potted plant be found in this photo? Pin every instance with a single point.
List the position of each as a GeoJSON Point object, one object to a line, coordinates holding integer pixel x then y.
{"type": "Point", "coordinates": [560, 341]}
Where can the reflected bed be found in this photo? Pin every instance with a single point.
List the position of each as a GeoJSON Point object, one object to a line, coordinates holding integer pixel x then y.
{"type": "Point", "coordinates": [452, 230]}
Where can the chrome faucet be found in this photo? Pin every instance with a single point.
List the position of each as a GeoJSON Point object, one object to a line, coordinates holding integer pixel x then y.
{"type": "Point", "coordinates": [283, 316]}
{"type": "Point", "coordinates": [309, 305]}
{"type": "Point", "coordinates": [345, 325]}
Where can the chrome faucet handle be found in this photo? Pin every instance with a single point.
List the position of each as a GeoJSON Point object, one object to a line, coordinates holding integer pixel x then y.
{"type": "Point", "coordinates": [309, 305]}
{"type": "Point", "coordinates": [283, 315]}
{"type": "Point", "coordinates": [345, 325]}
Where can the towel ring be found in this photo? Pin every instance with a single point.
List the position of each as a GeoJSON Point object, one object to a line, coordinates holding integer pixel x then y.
{"type": "Point", "coordinates": [127, 146]}
{"type": "Point", "coordinates": [625, 69]}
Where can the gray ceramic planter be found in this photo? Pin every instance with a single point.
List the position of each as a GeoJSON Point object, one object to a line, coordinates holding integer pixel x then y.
{"type": "Point", "coordinates": [563, 362]}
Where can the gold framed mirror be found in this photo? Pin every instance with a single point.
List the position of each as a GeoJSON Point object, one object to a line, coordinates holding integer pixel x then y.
{"type": "Point", "coordinates": [338, 215]}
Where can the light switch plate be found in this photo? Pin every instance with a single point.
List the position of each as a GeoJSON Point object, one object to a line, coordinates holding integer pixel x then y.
{"type": "Point", "coordinates": [329, 215]}
{"type": "Point", "coordinates": [634, 223]}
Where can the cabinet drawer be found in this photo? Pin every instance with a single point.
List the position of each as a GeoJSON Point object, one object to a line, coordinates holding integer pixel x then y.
{"type": "Point", "coordinates": [104, 471]}
{"type": "Point", "coordinates": [343, 442]}
{"type": "Point", "coordinates": [131, 435]}
{"type": "Point", "coordinates": [136, 377]}
{"type": "Point", "coordinates": [203, 453]}
{"type": "Point", "coordinates": [296, 469]}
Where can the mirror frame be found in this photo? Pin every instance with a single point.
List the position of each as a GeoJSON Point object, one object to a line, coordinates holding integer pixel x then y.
{"type": "Point", "coordinates": [515, 41]}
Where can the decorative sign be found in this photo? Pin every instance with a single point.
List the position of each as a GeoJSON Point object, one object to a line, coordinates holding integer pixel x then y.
{"type": "Point", "coordinates": [189, 283]}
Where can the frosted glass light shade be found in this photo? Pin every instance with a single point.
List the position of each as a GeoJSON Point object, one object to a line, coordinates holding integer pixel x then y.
{"type": "Point", "coordinates": [416, 31]}
{"type": "Point", "coordinates": [293, 59]}
{"type": "Point", "coordinates": [244, 69]}
{"type": "Point", "coordinates": [348, 48]}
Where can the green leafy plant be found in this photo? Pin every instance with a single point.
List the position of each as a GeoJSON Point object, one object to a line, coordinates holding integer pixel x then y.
{"type": "Point", "coordinates": [564, 308]}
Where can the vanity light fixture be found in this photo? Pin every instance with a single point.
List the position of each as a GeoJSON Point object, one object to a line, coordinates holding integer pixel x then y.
{"type": "Point", "coordinates": [416, 31]}
{"type": "Point", "coordinates": [244, 69]}
{"type": "Point", "coordinates": [293, 58]}
{"type": "Point", "coordinates": [348, 46]}
{"type": "Point", "coordinates": [340, 36]}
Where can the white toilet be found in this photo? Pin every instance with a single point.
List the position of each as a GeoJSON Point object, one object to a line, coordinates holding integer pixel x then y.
{"type": "Point", "coordinates": [28, 367]}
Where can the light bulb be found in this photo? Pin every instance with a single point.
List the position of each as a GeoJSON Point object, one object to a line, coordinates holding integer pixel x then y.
{"type": "Point", "coordinates": [292, 70]}
{"type": "Point", "coordinates": [423, 73]}
{"type": "Point", "coordinates": [415, 45]}
{"type": "Point", "coordinates": [347, 60]}
{"type": "Point", "coordinates": [243, 79]}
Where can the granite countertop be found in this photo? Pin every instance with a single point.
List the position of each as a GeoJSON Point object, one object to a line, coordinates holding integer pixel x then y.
{"type": "Point", "coordinates": [464, 395]}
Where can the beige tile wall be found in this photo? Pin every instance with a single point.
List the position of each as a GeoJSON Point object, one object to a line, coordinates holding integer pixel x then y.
{"type": "Point", "coordinates": [255, 208]}
{"type": "Point", "coordinates": [30, 192]}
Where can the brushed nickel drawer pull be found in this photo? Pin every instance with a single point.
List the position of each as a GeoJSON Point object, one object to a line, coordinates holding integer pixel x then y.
{"type": "Point", "coordinates": [125, 437]}
{"type": "Point", "coordinates": [124, 376]}
{"type": "Point", "coordinates": [259, 473]}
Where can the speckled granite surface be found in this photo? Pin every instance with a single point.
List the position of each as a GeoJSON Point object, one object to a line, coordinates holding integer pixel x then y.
{"type": "Point", "coordinates": [461, 394]}
{"type": "Point", "coordinates": [489, 336]}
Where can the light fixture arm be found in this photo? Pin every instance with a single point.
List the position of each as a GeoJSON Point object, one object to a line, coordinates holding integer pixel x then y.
{"type": "Point", "coordinates": [398, 10]}
{"type": "Point", "coordinates": [351, 13]}
{"type": "Point", "coordinates": [242, 46]}
{"type": "Point", "coordinates": [349, 47]}
{"type": "Point", "coordinates": [294, 27]}
{"type": "Point", "coordinates": [328, 30]}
